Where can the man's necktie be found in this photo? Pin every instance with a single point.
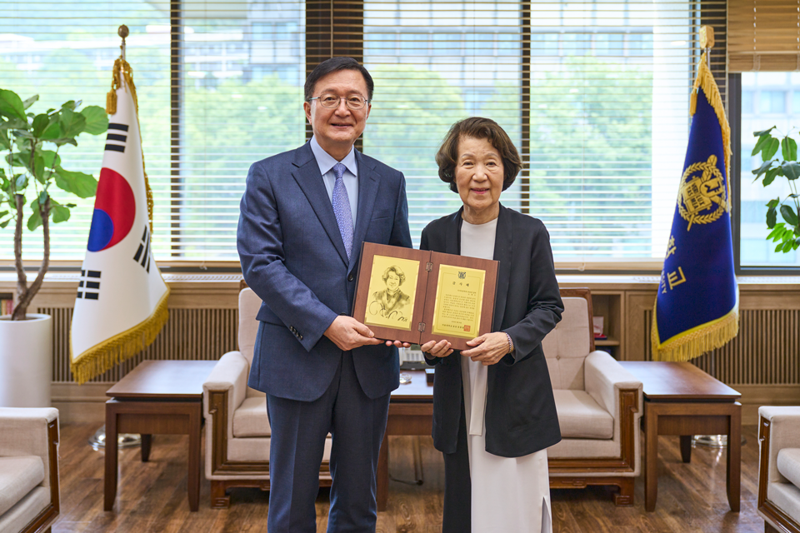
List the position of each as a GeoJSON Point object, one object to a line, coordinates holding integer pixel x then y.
{"type": "Point", "coordinates": [341, 208]}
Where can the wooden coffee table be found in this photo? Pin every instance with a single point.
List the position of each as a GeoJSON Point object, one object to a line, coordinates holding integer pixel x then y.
{"type": "Point", "coordinates": [163, 397]}
{"type": "Point", "coordinates": [680, 399]}
{"type": "Point", "coordinates": [410, 413]}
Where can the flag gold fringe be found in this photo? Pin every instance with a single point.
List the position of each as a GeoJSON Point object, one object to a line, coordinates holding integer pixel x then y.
{"type": "Point", "coordinates": [123, 72]}
{"type": "Point", "coordinates": [108, 353]}
{"type": "Point", "coordinates": [705, 81]}
{"type": "Point", "coordinates": [696, 341]}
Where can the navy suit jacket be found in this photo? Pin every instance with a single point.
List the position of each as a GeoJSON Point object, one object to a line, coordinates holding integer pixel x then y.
{"type": "Point", "coordinates": [294, 259]}
{"type": "Point", "coordinates": [521, 413]}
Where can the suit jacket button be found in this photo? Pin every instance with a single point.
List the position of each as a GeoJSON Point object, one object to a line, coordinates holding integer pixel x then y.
{"type": "Point", "coordinates": [301, 337]}
{"type": "Point", "coordinates": [351, 277]}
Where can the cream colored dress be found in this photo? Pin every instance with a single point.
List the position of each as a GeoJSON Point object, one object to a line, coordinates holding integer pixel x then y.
{"type": "Point", "coordinates": [509, 494]}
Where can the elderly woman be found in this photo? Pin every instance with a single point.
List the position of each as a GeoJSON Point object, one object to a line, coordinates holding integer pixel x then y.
{"type": "Point", "coordinates": [493, 407]}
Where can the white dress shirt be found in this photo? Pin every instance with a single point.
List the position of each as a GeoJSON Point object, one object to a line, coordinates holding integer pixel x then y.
{"type": "Point", "coordinates": [350, 178]}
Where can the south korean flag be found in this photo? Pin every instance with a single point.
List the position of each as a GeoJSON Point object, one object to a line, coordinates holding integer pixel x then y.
{"type": "Point", "coordinates": [121, 301]}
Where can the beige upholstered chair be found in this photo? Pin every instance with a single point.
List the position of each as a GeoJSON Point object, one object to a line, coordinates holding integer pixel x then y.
{"type": "Point", "coordinates": [599, 405]}
{"type": "Point", "coordinates": [29, 496]}
{"type": "Point", "coordinates": [779, 468]}
{"type": "Point", "coordinates": [237, 426]}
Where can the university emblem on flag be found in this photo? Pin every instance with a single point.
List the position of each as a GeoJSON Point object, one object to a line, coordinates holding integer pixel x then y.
{"type": "Point", "coordinates": [121, 303]}
{"type": "Point", "coordinates": [702, 197]}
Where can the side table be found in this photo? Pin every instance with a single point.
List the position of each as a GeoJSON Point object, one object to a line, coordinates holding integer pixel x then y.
{"type": "Point", "coordinates": [164, 397]}
{"type": "Point", "coordinates": [680, 399]}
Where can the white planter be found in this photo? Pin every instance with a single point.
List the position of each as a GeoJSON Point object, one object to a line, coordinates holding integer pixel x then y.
{"type": "Point", "coordinates": [26, 361]}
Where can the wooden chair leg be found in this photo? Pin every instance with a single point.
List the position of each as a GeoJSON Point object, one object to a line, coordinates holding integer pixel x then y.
{"type": "Point", "coordinates": [625, 496]}
{"type": "Point", "coordinates": [219, 497]}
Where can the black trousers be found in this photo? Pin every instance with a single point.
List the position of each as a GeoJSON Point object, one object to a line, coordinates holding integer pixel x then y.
{"type": "Point", "coordinates": [457, 515]}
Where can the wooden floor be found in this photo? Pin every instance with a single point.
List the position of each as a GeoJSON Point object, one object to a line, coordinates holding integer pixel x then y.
{"type": "Point", "coordinates": [152, 496]}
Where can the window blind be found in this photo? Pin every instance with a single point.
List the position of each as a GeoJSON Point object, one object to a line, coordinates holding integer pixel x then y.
{"type": "Point", "coordinates": [764, 35]}
{"type": "Point", "coordinates": [593, 93]}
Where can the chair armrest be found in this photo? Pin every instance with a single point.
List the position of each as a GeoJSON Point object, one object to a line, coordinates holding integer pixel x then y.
{"type": "Point", "coordinates": [229, 375]}
{"type": "Point", "coordinates": [604, 378]}
{"type": "Point", "coordinates": [784, 432]}
{"type": "Point", "coordinates": [33, 431]}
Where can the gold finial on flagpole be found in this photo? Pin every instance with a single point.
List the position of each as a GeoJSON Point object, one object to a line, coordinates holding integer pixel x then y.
{"type": "Point", "coordinates": [707, 42]}
{"type": "Point", "coordinates": [123, 32]}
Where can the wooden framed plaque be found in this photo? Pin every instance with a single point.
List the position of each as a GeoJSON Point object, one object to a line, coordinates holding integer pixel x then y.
{"type": "Point", "coordinates": [418, 295]}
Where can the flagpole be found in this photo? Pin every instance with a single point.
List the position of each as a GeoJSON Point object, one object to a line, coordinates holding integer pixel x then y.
{"type": "Point", "coordinates": [712, 441]}
{"type": "Point", "coordinates": [124, 440]}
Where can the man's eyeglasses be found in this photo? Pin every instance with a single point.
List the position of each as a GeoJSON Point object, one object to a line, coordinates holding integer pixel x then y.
{"type": "Point", "coordinates": [331, 101]}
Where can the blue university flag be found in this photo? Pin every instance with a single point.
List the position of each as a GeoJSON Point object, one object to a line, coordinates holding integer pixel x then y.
{"type": "Point", "coordinates": [697, 307]}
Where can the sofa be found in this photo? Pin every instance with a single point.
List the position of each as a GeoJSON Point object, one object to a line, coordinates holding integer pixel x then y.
{"type": "Point", "coordinates": [599, 406]}
{"type": "Point", "coordinates": [29, 486]}
{"type": "Point", "coordinates": [779, 468]}
{"type": "Point", "coordinates": [236, 424]}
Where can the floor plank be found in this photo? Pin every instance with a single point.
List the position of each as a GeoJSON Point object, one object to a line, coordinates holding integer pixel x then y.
{"type": "Point", "coordinates": [151, 497]}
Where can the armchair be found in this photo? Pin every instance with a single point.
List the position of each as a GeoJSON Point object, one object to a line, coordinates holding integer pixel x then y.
{"type": "Point", "coordinates": [599, 406]}
{"type": "Point", "coordinates": [237, 427]}
{"type": "Point", "coordinates": [29, 489]}
{"type": "Point", "coordinates": [779, 468]}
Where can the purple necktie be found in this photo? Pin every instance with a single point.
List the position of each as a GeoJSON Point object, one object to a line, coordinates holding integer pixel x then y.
{"type": "Point", "coordinates": [341, 208]}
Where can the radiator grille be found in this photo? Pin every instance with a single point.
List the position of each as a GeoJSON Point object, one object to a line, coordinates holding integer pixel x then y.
{"type": "Point", "coordinates": [189, 334]}
{"type": "Point", "coordinates": [766, 351]}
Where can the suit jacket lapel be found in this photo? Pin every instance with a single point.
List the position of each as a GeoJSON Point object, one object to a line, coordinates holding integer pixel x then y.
{"type": "Point", "coordinates": [453, 237]}
{"type": "Point", "coordinates": [310, 181]}
{"type": "Point", "coordinates": [503, 252]}
{"type": "Point", "coordinates": [368, 185]}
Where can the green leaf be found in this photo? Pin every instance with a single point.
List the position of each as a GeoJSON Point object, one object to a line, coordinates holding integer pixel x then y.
{"type": "Point", "coordinates": [4, 224]}
{"type": "Point", "coordinates": [40, 122]}
{"type": "Point", "coordinates": [38, 168]}
{"type": "Point", "coordinates": [11, 106]}
{"type": "Point", "coordinates": [51, 159]}
{"type": "Point", "coordinates": [5, 143]}
{"type": "Point", "coordinates": [71, 105]}
{"type": "Point", "coordinates": [779, 248]}
{"type": "Point", "coordinates": [21, 183]}
{"type": "Point", "coordinates": [35, 220]}
{"type": "Point", "coordinates": [764, 132]}
{"type": "Point", "coordinates": [776, 232]}
{"type": "Point", "coordinates": [772, 215]}
{"type": "Point", "coordinates": [72, 124]}
{"type": "Point", "coordinates": [60, 212]}
{"type": "Point", "coordinates": [789, 149]}
{"type": "Point", "coordinates": [30, 101]}
{"type": "Point", "coordinates": [762, 141]}
{"type": "Point", "coordinates": [78, 183]}
{"type": "Point", "coordinates": [3, 213]}
{"type": "Point", "coordinates": [770, 149]}
{"type": "Point", "coordinates": [64, 140]}
{"type": "Point", "coordinates": [788, 214]}
{"type": "Point", "coordinates": [53, 131]}
{"type": "Point", "coordinates": [770, 176]}
{"type": "Point", "coordinates": [96, 119]}
{"type": "Point", "coordinates": [763, 168]}
{"type": "Point", "coordinates": [791, 170]}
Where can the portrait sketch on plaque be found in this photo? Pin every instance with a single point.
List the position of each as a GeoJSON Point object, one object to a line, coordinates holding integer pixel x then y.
{"type": "Point", "coordinates": [392, 289]}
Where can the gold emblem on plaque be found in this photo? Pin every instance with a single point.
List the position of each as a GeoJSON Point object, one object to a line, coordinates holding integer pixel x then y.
{"type": "Point", "coordinates": [702, 188]}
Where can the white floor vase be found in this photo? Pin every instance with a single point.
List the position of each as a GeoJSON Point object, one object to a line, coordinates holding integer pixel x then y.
{"type": "Point", "coordinates": [26, 361]}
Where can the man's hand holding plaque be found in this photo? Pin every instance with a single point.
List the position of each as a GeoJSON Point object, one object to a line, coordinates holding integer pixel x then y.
{"type": "Point", "coordinates": [417, 296]}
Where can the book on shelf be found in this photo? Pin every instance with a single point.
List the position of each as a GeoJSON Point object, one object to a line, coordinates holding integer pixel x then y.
{"type": "Point", "coordinates": [418, 295]}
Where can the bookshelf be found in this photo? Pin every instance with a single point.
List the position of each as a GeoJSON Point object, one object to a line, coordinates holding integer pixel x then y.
{"type": "Point", "coordinates": [609, 305]}
{"type": "Point", "coordinates": [6, 303]}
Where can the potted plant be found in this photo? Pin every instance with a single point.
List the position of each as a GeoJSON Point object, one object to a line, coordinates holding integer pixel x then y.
{"type": "Point", "coordinates": [786, 233]}
{"type": "Point", "coordinates": [32, 183]}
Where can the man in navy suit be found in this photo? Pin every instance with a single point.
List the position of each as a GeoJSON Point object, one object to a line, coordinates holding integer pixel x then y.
{"type": "Point", "coordinates": [304, 215]}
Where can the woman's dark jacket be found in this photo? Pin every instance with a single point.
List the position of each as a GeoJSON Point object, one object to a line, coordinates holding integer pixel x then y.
{"type": "Point", "coordinates": [520, 409]}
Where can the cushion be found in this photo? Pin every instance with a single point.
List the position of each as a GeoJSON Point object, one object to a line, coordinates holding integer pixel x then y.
{"type": "Point", "coordinates": [580, 417]}
{"type": "Point", "coordinates": [22, 514]}
{"type": "Point", "coordinates": [18, 476]}
{"type": "Point", "coordinates": [789, 465]}
{"type": "Point", "coordinates": [567, 346]}
{"type": "Point", "coordinates": [250, 419]}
